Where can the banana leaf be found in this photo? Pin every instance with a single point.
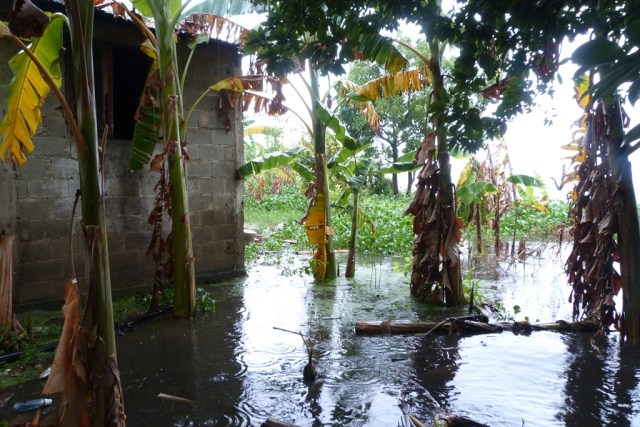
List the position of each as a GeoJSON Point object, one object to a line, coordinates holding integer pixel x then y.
{"type": "Point", "coordinates": [274, 160]}
{"type": "Point", "coordinates": [381, 50]}
{"type": "Point", "coordinates": [474, 192]}
{"type": "Point", "coordinates": [27, 93]}
{"type": "Point", "coordinates": [148, 121]}
{"type": "Point", "coordinates": [405, 163]}
{"type": "Point", "coordinates": [526, 180]}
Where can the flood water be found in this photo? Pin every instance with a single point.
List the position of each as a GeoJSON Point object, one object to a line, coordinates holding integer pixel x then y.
{"type": "Point", "coordinates": [239, 370]}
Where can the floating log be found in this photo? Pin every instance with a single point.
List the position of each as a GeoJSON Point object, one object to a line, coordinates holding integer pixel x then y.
{"type": "Point", "coordinates": [274, 422]}
{"type": "Point", "coordinates": [447, 421]}
{"type": "Point", "coordinates": [465, 325]}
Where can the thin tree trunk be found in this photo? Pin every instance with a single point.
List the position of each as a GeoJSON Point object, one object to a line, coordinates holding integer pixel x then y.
{"type": "Point", "coordinates": [351, 257]}
{"type": "Point", "coordinates": [515, 229]}
{"type": "Point", "coordinates": [627, 218]}
{"type": "Point", "coordinates": [496, 226]}
{"type": "Point", "coordinates": [6, 278]}
{"type": "Point", "coordinates": [394, 177]}
{"type": "Point", "coordinates": [478, 218]}
{"type": "Point", "coordinates": [409, 182]}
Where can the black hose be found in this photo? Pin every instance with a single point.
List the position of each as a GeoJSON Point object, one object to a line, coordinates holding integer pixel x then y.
{"type": "Point", "coordinates": [10, 357]}
{"type": "Point", "coordinates": [120, 329]}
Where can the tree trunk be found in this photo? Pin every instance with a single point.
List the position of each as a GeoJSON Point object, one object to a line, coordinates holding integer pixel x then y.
{"type": "Point", "coordinates": [496, 226]}
{"type": "Point", "coordinates": [478, 218]}
{"type": "Point", "coordinates": [322, 178]}
{"type": "Point", "coordinates": [351, 257]}
{"type": "Point", "coordinates": [436, 253]}
{"type": "Point", "coordinates": [466, 325]}
{"type": "Point", "coordinates": [107, 404]}
{"type": "Point", "coordinates": [451, 270]}
{"type": "Point", "coordinates": [409, 182]}
{"type": "Point", "coordinates": [184, 282]}
{"type": "Point", "coordinates": [625, 208]}
{"type": "Point", "coordinates": [6, 278]}
{"type": "Point", "coordinates": [394, 177]}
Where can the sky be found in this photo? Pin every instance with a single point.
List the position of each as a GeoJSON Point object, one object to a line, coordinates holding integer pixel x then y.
{"type": "Point", "coordinates": [535, 147]}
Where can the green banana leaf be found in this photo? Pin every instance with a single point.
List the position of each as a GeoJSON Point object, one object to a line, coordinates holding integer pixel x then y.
{"type": "Point", "coordinates": [526, 180]}
{"type": "Point", "coordinates": [381, 50]}
{"type": "Point", "coordinates": [363, 168]}
{"type": "Point", "coordinates": [148, 121]}
{"type": "Point", "coordinates": [144, 7]}
{"type": "Point", "coordinates": [474, 192]}
{"type": "Point", "coordinates": [276, 159]}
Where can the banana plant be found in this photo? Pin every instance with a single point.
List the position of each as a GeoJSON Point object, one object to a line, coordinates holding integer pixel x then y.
{"type": "Point", "coordinates": [161, 111]}
{"type": "Point", "coordinates": [85, 370]}
{"type": "Point", "coordinates": [347, 169]}
{"type": "Point", "coordinates": [301, 47]}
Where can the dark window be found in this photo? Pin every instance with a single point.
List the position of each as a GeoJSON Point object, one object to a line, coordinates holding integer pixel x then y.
{"type": "Point", "coordinates": [120, 75]}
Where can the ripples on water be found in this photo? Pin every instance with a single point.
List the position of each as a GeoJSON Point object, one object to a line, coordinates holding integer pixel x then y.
{"type": "Point", "coordinates": [239, 370]}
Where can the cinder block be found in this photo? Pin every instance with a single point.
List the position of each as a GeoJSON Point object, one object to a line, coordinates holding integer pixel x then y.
{"type": "Point", "coordinates": [35, 168]}
{"type": "Point", "coordinates": [203, 234]}
{"type": "Point", "coordinates": [224, 170]}
{"type": "Point", "coordinates": [211, 185]}
{"type": "Point", "coordinates": [199, 168]}
{"type": "Point", "coordinates": [34, 271]}
{"type": "Point", "coordinates": [42, 289]}
{"type": "Point", "coordinates": [199, 202]}
{"type": "Point", "coordinates": [50, 146]}
{"type": "Point", "coordinates": [42, 188]}
{"type": "Point", "coordinates": [225, 232]}
{"type": "Point", "coordinates": [208, 120]}
{"type": "Point", "coordinates": [48, 229]}
{"type": "Point", "coordinates": [199, 136]}
{"type": "Point", "coordinates": [34, 209]}
{"type": "Point", "coordinates": [33, 251]}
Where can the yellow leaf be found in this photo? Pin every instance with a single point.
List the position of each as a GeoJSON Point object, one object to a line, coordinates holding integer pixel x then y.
{"type": "Point", "coordinates": [27, 92]}
{"type": "Point", "coordinates": [4, 30]}
{"type": "Point", "coordinates": [148, 49]}
{"type": "Point", "coordinates": [581, 87]}
{"type": "Point", "coordinates": [316, 220]}
{"type": "Point", "coordinates": [395, 84]}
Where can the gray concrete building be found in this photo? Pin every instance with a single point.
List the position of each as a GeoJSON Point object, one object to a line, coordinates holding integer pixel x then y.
{"type": "Point", "coordinates": [36, 199]}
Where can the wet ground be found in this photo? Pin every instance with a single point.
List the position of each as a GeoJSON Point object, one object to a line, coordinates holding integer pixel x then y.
{"type": "Point", "coordinates": [238, 370]}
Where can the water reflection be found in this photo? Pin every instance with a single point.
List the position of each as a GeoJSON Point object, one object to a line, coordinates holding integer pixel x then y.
{"type": "Point", "coordinates": [192, 359]}
{"type": "Point", "coordinates": [239, 370]}
{"type": "Point", "coordinates": [601, 383]}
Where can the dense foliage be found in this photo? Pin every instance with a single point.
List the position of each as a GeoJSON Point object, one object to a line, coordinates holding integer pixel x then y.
{"type": "Point", "coordinates": [384, 229]}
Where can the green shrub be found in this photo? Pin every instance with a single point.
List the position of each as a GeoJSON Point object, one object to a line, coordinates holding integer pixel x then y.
{"type": "Point", "coordinates": [533, 224]}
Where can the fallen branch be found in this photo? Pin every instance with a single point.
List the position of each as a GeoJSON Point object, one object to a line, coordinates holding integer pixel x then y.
{"type": "Point", "coordinates": [309, 372]}
{"type": "Point", "coordinates": [274, 422]}
{"type": "Point", "coordinates": [465, 326]}
{"type": "Point", "coordinates": [174, 398]}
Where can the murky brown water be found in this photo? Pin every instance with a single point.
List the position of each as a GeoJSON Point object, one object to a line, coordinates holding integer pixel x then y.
{"type": "Point", "coordinates": [239, 370]}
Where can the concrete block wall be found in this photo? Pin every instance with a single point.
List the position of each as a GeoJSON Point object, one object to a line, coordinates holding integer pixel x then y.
{"type": "Point", "coordinates": [36, 199]}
